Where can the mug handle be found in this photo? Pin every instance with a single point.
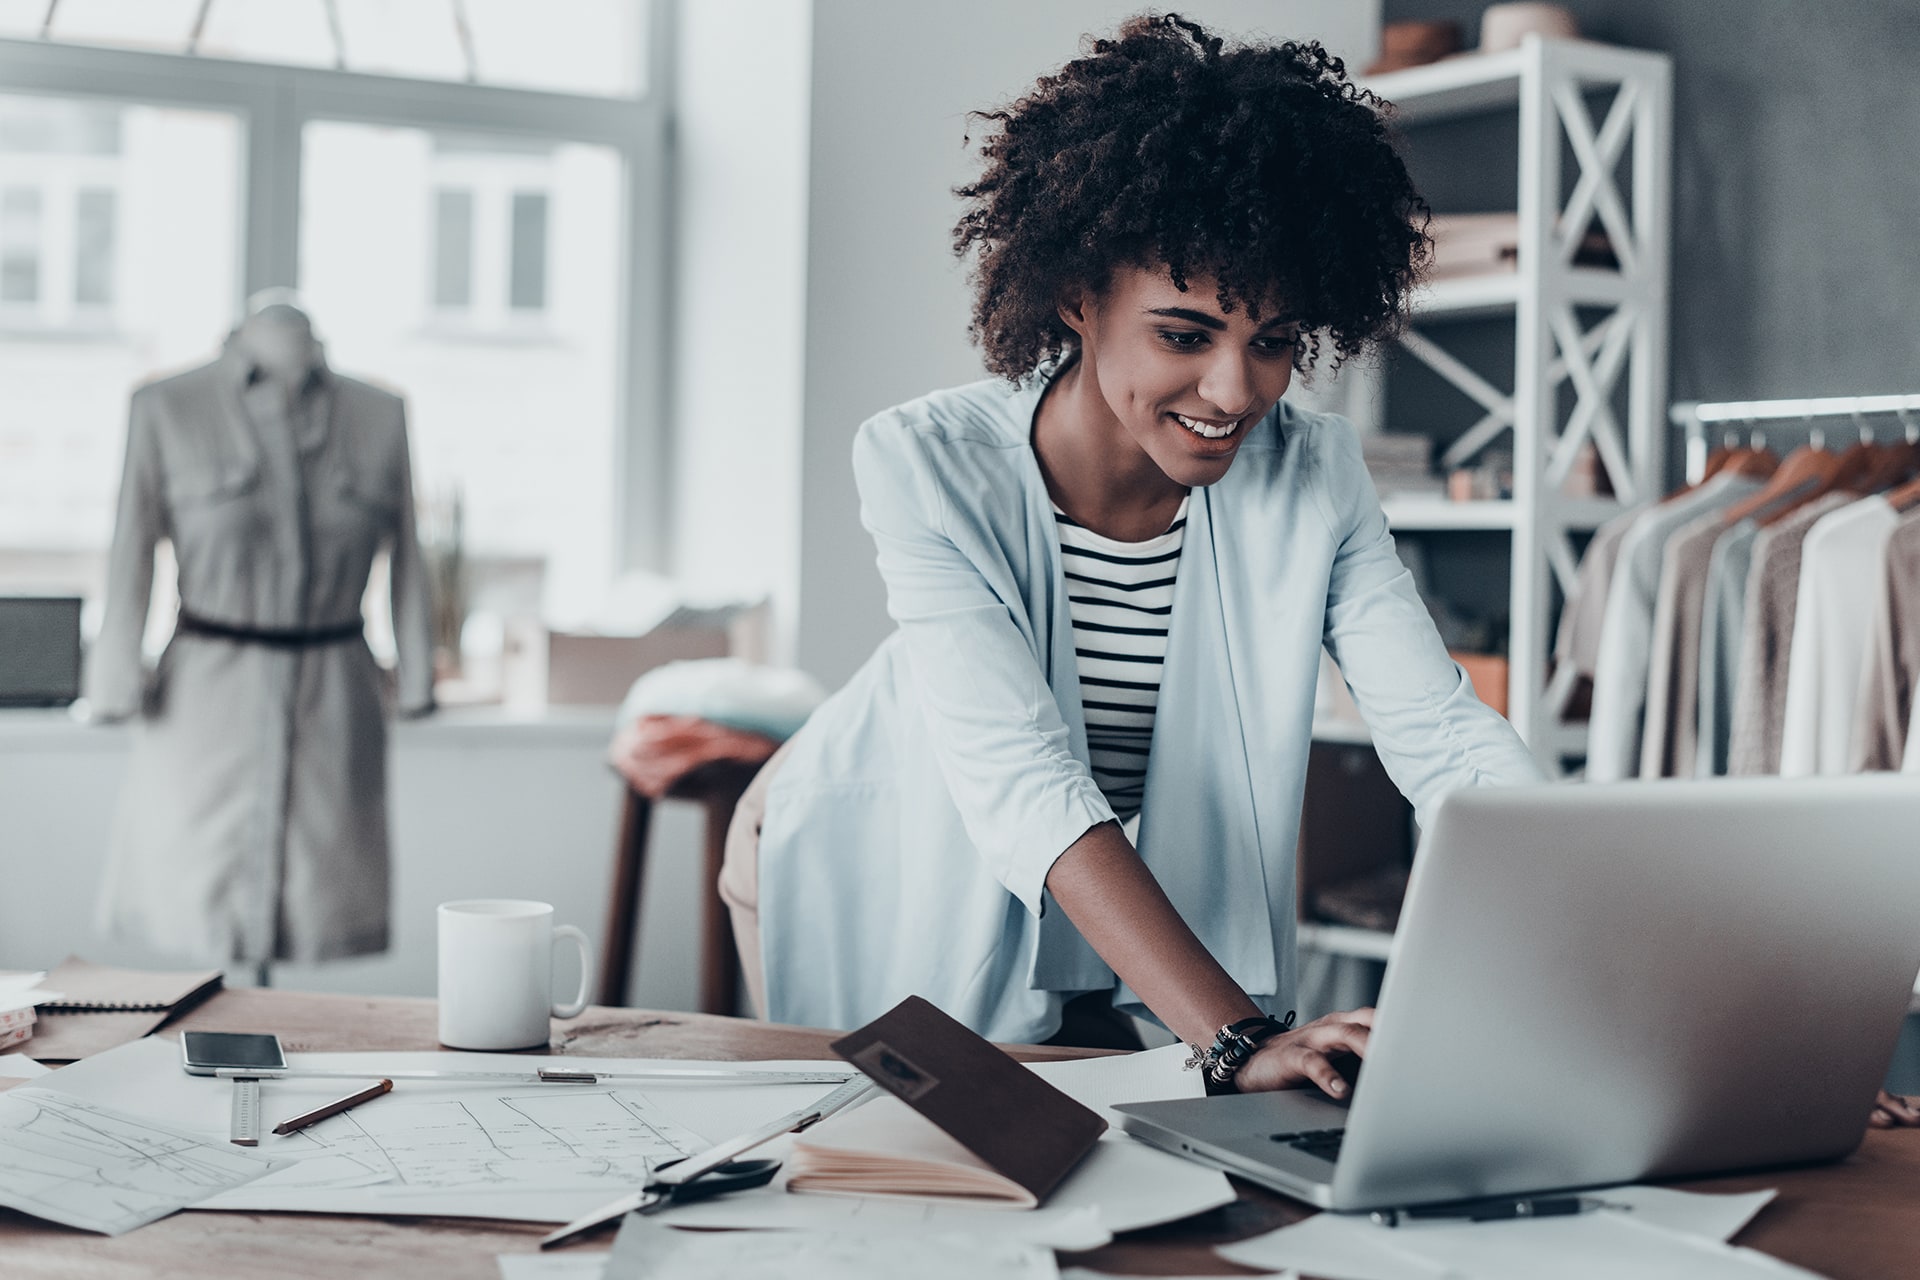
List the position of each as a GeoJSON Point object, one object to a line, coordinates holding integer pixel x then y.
{"type": "Point", "coordinates": [574, 1007]}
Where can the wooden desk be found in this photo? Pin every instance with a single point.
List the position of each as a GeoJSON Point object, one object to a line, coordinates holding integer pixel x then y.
{"type": "Point", "coordinates": [1858, 1220]}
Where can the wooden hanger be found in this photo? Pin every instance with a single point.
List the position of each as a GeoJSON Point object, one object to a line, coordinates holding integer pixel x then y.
{"type": "Point", "coordinates": [1799, 474]}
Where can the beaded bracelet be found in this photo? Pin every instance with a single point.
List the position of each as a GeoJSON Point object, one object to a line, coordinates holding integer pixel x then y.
{"type": "Point", "coordinates": [1232, 1046]}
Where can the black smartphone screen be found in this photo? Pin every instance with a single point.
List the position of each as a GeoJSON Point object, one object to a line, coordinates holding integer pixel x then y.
{"type": "Point", "coordinates": [214, 1050]}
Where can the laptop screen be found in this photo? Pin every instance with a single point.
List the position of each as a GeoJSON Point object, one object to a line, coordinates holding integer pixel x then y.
{"type": "Point", "coordinates": [39, 650]}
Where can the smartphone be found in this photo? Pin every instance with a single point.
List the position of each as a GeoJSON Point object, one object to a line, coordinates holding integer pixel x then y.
{"type": "Point", "coordinates": [208, 1052]}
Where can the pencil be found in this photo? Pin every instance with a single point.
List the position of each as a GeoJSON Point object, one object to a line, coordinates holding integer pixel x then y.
{"type": "Point", "coordinates": [331, 1109]}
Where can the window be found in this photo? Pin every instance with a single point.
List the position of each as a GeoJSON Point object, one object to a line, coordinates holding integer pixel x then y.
{"type": "Point", "coordinates": [94, 213]}
{"type": "Point", "coordinates": [452, 248]}
{"type": "Point", "coordinates": [473, 247]}
{"type": "Point", "coordinates": [528, 288]}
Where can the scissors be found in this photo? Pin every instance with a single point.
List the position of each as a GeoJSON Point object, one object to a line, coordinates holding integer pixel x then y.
{"type": "Point", "coordinates": [713, 1172]}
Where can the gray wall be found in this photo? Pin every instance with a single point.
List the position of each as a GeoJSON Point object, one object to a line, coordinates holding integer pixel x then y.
{"type": "Point", "coordinates": [886, 303]}
{"type": "Point", "coordinates": [1796, 187]}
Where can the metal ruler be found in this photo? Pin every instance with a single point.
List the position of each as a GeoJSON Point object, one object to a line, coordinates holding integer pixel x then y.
{"type": "Point", "coordinates": [554, 1075]}
{"type": "Point", "coordinates": [243, 1126]}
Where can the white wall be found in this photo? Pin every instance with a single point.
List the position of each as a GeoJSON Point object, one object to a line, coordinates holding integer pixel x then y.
{"type": "Point", "coordinates": [740, 158]}
{"type": "Point", "coordinates": [887, 306]}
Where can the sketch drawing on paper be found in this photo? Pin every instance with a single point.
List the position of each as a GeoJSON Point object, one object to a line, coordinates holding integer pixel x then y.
{"type": "Point", "coordinates": [549, 1140]}
{"type": "Point", "coordinates": [92, 1167]}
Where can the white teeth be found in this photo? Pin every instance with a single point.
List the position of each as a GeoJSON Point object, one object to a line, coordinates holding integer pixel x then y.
{"type": "Point", "coordinates": [1208, 430]}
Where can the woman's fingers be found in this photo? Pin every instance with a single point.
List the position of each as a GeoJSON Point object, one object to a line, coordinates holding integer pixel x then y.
{"type": "Point", "coordinates": [1895, 1110]}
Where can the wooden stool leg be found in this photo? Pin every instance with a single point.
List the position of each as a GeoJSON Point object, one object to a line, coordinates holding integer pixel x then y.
{"type": "Point", "coordinates": [623, 900]}
{"type": "Point", "coordinates": [719, 961]}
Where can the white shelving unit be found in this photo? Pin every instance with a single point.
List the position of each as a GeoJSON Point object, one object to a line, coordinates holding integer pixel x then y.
{"type": "Point", "coordinates": [1578, 325]}
{"type": "Point", "coordinates": [1585, 327]}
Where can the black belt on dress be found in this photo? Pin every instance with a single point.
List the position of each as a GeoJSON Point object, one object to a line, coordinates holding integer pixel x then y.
{"type": "Point", "coordinates": [272, 637]}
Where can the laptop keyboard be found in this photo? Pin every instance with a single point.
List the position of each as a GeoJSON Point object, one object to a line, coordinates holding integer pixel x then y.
{"type": "Point", "coordinates": [1323, 1143]}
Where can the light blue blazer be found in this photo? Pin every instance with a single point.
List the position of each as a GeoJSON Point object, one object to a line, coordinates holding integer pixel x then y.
{"type": "Point", "coordinates": [909, 833]}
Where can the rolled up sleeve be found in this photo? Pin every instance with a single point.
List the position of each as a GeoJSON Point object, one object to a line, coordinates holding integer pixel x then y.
{"type": "Point", "coordinates": [995, 728]}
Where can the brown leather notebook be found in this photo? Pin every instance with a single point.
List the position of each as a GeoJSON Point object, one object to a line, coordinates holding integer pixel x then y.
{"type": "Point", "coordinates": [1021, 1128]}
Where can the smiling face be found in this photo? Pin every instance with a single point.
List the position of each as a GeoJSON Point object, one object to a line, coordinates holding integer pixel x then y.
{"type": "Point", "coordinates": [1183, 379]}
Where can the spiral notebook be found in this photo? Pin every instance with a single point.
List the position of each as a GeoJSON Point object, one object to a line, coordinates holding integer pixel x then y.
{"type": "Point", "coordinates": [97, 988]}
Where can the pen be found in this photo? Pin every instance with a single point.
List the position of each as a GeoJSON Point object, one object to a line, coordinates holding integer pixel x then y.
{"type": "Point", "coordinates": [1493, 1210]}
{"type": "Point", "coordinates": [318, 1114]}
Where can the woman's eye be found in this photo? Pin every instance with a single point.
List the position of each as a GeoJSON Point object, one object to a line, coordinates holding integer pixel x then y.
{"type": "Point", "coordinates": [1275, 346]}
{"type": "Point", "coordinates": [1183, 340]}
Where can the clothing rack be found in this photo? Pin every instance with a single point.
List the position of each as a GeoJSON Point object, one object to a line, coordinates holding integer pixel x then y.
{"type": "Point", "coordinates": [1696, 418]}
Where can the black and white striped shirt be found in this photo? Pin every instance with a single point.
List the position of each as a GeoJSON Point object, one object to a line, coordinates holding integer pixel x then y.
{"type": "Point", "coordinates": [1121, 598]}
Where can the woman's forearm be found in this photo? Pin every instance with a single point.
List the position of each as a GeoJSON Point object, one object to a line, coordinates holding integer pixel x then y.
{"type": "Point", "coordinates": [1123, 912]}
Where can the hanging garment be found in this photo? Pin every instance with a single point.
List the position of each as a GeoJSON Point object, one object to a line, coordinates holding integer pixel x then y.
{"type": "Point", "coordinates": [1885, 708]}
{"type": "Point", "coordinates": [1620, 675]}
{"type": "Point", "coordinates": [1577, 642]}
{"type": "Point", "coordinates": [1668, 740]}
{"type": "Point", "coordinates": [1720, 615]}
{"type": "Point", "coordinates": [1841, 565]}
{"type": "Point", "coordinates": [1766, 638]}
{"type": "Point", "coordinates": [253, 821]}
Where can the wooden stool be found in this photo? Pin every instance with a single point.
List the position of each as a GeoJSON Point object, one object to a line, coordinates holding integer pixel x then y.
{"type": "Point", "coordinates": [717, 786]}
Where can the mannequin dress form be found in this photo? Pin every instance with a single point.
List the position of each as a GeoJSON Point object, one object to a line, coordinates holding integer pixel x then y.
{"type": "Point", "coordinates": [253, 821]}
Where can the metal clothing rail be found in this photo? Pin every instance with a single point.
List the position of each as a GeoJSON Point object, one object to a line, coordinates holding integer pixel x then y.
{"type": "Point", "coordinates": [1695, 418]}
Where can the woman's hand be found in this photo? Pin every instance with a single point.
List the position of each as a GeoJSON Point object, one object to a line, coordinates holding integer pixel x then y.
{"type": "Point", "coordinates": [1891, 1111]}
{"type": "Point", "coordinates": [1309, 1054]}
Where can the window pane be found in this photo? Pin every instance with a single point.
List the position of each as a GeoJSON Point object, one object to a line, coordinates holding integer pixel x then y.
{"type": "Point", "coordinates": [528, 290]}
{"type": "Point", "coordinates": [514, 409]}
{"type": "Point", "coordinates": [19, 244]}
{"type": "Point", "coordinates": [93, 216]}
{"type": "Point", "coordinates": [573, 46]}
{"type": "Point", "coordinates": [143, 24]}
{"type": "Point", "coordinates": [402, 38]}
{"type": "Point", "coordinates": [170, 220]}
{"type": "Point", "coordinates": [292, 31]}
{"type": "Point", "coordinates": [452, 248]}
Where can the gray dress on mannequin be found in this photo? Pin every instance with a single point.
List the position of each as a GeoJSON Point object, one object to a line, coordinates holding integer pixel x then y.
{"type": "Point", "coordinates": [253, 823]}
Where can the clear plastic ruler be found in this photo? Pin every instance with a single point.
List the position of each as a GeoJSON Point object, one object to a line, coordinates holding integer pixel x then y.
{"type": "Point", "coordinates": [243, 1128]}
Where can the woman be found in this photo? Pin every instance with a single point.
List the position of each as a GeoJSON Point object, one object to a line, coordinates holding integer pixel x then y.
{"type": "Point", "coordinates": [1113, 571]}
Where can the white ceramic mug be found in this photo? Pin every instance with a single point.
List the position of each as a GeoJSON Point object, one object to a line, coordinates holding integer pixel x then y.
{"type": "Point", "coordinates": [496, 973]}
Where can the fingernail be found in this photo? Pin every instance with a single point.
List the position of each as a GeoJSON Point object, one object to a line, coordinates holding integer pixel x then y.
{"type": "Point", "coordinates": [1338, 1086]}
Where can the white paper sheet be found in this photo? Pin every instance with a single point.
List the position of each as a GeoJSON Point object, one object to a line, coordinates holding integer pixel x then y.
{"type": "Point", "coordinates": [20, 991]}
{"type": "Point", "coordinates": [1153, 1075]}
{"type": "Point", "coordinates": [18, 1066]}
{"type": "Point", "coordinates": [452, 1171]}
{"type": "Point", "coordinates": [1658, 1232]}
{"type": "Point", "coordinates": [646, 1249]}
{"type": "Point", "coordinates": [564, 1265]}
{"type": "Point", "coordinates": [100, 1169]}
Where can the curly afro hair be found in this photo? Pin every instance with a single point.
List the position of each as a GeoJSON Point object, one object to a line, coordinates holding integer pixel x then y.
{"type": "Point", "coordinates": [1259, 165]}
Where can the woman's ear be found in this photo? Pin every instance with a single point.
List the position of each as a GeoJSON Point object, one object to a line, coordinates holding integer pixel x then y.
{"type": "Point", "coordinates": [1075, 311]}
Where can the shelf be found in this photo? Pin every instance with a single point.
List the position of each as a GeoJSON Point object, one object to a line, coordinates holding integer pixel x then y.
{"type": "Point", "coordinates": [1498, 293]}
{"type": "Point", "coordinates": [1476, 83]}
{"type": "Point", "coordinates": [1417, 514]}
{"type": "Point", "coordinates": [1422, 515]}
{"type": "Point", "coordinates": [1458, 86]}
{"type": "Point", "coordinates": [1345, 940]}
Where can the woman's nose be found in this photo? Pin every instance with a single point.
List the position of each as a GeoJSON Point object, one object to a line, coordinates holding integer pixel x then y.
{"type": "Point", "coordinates": [1228, 385]}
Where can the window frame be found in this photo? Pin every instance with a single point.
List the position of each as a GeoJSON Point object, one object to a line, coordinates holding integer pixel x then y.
{"type": "Point", "coordinates": [274, 103]}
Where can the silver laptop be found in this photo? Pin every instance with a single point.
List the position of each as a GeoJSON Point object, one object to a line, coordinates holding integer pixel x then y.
{"type": "Point", "coordinates": [1595, 985]}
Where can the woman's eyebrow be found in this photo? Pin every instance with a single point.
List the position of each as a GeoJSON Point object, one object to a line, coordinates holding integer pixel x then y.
{"type": "Point", "coordinates": [1212, 322]}
{"type": "Point", "coordinates": [1194, 317]}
